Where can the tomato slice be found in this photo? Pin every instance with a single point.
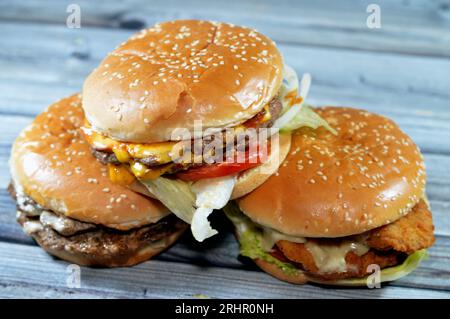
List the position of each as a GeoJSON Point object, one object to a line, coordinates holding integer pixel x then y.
{"type": "Point", "coordinates": [221, 169]}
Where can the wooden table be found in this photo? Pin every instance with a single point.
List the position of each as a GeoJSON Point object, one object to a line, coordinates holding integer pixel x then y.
{"type": "Point", "coordinates": [401, 70]}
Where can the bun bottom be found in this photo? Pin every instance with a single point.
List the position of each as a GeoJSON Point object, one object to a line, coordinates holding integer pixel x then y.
{"type": "Point", "coordinates": [299, 278]}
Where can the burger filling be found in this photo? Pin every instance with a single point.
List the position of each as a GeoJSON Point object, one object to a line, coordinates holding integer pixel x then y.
{"type": "Point", "coordinates": [189, 187]}
{"type": "Point", "coordinates": [107, 152]}
{"type": "Point", "coordinates": [56, 232]}
{"type": "Point", "coordinates": [149, 161]}
{"type": "Point", "coordinates": [337, 259]}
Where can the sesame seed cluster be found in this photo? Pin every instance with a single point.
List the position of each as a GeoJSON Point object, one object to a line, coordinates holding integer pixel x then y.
{"type": "Point", "coordinates": [184, 70]}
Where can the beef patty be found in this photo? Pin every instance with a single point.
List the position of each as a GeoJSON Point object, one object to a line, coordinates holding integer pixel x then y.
{"type": "Point", "coordinates": [106, 246]}
{"type": "Point", "coordinates": [275, 108]}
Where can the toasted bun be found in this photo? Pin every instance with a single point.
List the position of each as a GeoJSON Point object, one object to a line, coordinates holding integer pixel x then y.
{"type": "Point", "coordinates": [52, 164]}
{"type": "Point", "coordinates": [369, 175]}
{"type": "Point", "coordinates": [174, 73]}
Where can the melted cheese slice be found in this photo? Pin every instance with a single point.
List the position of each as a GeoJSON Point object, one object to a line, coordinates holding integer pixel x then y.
{"type": "Point", "coordinates": [126, 151]}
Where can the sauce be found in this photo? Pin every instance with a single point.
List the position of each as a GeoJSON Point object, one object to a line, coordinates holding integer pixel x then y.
{"type": "Point", "coordinates": [270, 237]}
{"type": "Point", "coordinates": [330, 258]}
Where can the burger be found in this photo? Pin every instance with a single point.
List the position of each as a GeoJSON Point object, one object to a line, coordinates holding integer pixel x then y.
{"type": "Point", "coordinates": [157, 104]}
{"type": "Point", "coordinates": [67, 203]}
{"type": "Point", "coordinates": [344, 208]}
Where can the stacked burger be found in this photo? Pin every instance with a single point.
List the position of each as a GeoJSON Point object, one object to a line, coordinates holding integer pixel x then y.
{"type": "Point", "coordinates": [190, 116]}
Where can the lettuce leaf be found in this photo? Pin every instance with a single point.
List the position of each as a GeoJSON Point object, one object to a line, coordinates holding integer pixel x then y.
{"type": "Point", "coordinates": [193, 202]}
{"type": "Point", "coordinates": [250, 239]}
{"type": "Point", "coordinates": [297, 115]}
{"type": "Point", "coordinates": [175, 194]}
{"type": "Point", "coordinates": [306, 117]}
{"type": "Point", "coordinates": [211, 193]}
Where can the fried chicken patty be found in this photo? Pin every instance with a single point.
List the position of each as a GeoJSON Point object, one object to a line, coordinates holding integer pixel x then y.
{"type": "Point", "coordinates": [389, 245]}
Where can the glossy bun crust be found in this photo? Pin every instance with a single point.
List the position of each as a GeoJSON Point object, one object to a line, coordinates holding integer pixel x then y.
{"type": "Point", "coordinates": [367, 176]}
{"type": "Point", "coordinates": [52, 164]}
{"type": "Point", "coordinates": [174, 73]}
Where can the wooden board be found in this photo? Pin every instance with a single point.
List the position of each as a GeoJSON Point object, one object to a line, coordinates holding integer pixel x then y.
{"type": "Point", "coordinates": [23, 266]}
{"type": "Point", "coordinates": [401, 71]}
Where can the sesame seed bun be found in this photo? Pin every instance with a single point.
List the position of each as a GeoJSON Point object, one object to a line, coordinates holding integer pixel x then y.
{"type": "Point", "coordinates": [177, 72]}
{"type": "Point", "coordinates": [52, 164]}
{"type": "Point", "coordinates": [369, 175]}
{"type": "Point", "coordinates": [298, 278]}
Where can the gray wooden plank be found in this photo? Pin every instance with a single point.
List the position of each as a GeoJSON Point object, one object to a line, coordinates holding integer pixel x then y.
{"type": "Point", "coordinates": [418, 26]}
{"type": "Point", "coordinates": [411, 90]}
{"type": "Point", "coordinates": [25, 266]}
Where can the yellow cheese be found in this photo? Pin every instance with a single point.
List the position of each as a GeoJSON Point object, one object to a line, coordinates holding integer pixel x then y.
{"type": "Point", "coordinates": [144, 173]}
{"type": "Point", "coordinates": [120, 174]}
{"type": "Point", "coordinates": [267, 115]}
{"type": "Point", "coordinates": [126, 151]}
{"type": "Point", "coordinates": [121, 153]}
{"type": "Point", "coordinates": [160, 151]}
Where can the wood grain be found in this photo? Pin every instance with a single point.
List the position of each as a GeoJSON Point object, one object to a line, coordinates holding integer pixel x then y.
{"type": "Point", "coordinates": [414, 27]}
{"type": "Point", "coordinates": [30, 267]}
{"type": "Point", "coordinates": [411, 90]}
{"type": "Point", "coordinates": [223, 251]}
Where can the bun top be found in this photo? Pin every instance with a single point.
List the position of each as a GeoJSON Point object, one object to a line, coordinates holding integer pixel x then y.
{"type": "Point", "coordinates": [369, 175]}
{"type": "Point", "coordinates": [167, 76]}
{"type": "Point", "coordinates": [52, 164]}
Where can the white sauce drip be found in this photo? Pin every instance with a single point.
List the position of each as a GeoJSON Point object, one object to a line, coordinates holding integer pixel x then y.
{"type": "Point", "coordinates": [330, 258]}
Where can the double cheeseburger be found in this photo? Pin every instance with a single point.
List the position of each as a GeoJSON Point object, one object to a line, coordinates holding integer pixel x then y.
{"type": "Point", "coordinates": [341, 206]}
{"type": "Point", "coordinates": [174, 76]}
{"type": "Point", "coordinates": [67, 203]}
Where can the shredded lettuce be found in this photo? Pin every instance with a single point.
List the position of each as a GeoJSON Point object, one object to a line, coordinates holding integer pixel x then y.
{"type": "Point", "coordinates": [211, 193]}
{"type": "Point", "coordinates": [251, 238]}
{"type": "Point", "coordinates": [306, 117]}
{"type": "Point", "coordinates": [288, 91]}
{"type": "Point", "coordinates": [193, 202]}
{"type": "Point", "coordinates": [297, 115]}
